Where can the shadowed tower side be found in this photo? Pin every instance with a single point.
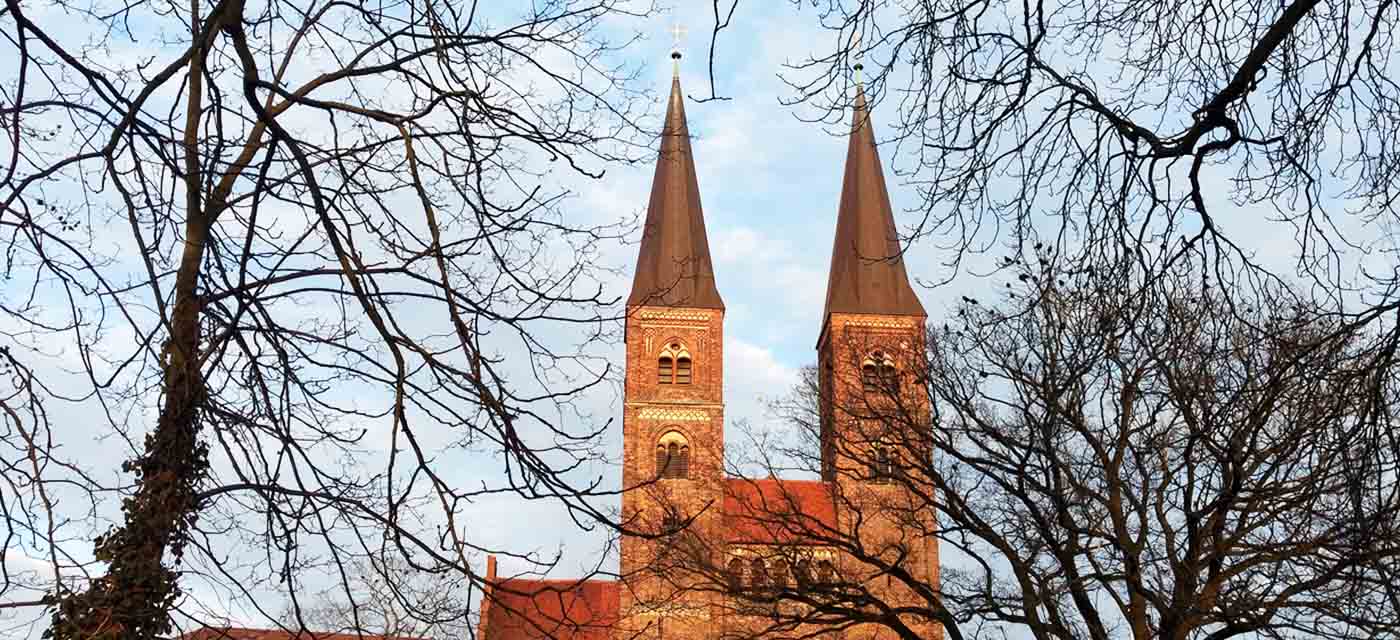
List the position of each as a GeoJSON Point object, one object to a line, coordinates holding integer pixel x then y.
{"type": "Point", "coordinates": [869, 352]}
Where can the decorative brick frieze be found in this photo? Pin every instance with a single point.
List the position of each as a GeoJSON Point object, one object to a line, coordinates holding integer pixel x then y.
{"type": "Point", "coordinates": [673, 414]}
{"type": "Point", "coordinates": [673, 315]}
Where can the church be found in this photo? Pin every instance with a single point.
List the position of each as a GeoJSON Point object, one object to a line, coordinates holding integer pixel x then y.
{"type": "Point", "coordinates": [712, 554]}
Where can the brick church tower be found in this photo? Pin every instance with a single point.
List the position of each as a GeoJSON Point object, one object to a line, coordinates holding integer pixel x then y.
{"type": "Point", "coordinates": [673, 404]}
{"type": "Point", "coordinates": [870, 349]}
{"type": "Point", "coordinates": [750, 536]}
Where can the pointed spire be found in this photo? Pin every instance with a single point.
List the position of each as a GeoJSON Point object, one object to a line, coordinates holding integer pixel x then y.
{"type": "Point", "coordinates": [867, 267]}
{"type": "Point", "coordinates": [673, 262]}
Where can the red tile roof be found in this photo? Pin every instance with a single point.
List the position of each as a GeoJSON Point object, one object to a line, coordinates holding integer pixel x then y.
{"type": "Point", "coordinates": [551, 609]}
{"type": "Point", "coordinates": [776, 511]}
{"type": "Point", "coordinates": [239, 633]}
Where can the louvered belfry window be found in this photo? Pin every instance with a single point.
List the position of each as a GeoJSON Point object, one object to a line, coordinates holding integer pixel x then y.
{"type": "Point", "coordinates": [889, 377]}
{"type": "Point", "coordinates": [674, 365]}
{"type": "Point", "coordinates": [673, 457]}
{"type": "Point", "coordinates": [869, 378]}
{"type": "Point", "coordinates": [878, 374]}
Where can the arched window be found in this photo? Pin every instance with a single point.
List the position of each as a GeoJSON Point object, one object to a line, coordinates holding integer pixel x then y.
{"type": "Point", "coordinates": [870, 377]}
{"type": "Point", "coordinates": [682, 370]}
{"type": "Point", "coordinates": [802, 573]}
{"type": "Point", "coordinates": [758, 574]}
{"type": "Point", "coordinates": [826, 573]}
{"type": "Point", "coordinates": [735, 574]}
{"type": "Point", "coordinates": [672, 456]}
{"type": "Point", "coordinates": [878, 373]}
{"type": "Point", "coordinates": [881, 465]}
{"type": "Point", "coordinates": [670, 523]}
{"type": "Point", "coordinates": [780, 574]}
{"type": "Point", "coordinates": [674, 365]}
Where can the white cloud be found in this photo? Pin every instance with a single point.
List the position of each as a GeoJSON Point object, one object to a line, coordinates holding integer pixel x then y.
{"type": "Point", "coordinates": [752, 376]}
{"type": "Point", "coordinates": [734, 245]}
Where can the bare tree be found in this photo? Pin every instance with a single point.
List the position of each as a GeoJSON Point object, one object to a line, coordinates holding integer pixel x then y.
{"type": "Point", "coordinates": [1177, 423]}
{"type": "Point", "coordinates": [1253, 139]}
{"type": "Point", "coordinates": [1190, 129]}
{"type": "Point", "coordinates": [1112, 454]}
{"type": "Point", "coordinates": [293, 259]}
{"type": "Point", "coordinates": [388, 598]}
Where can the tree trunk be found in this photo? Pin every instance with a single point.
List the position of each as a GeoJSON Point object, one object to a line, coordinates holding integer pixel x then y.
{"type": "Point", "coordinates": [133, 599]}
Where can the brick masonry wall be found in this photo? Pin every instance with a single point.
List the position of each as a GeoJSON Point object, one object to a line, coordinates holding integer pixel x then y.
{"type": "Point", "coordinates": [888, 515]}
{"type": "Point", "coordinates": [653, 606]}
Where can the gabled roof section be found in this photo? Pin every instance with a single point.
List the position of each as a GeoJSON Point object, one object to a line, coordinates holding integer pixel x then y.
{"type": "Point", "coordinates": [673, 262]}
{"type": "Point", "coordinates": [776, 511]}
{"type": "Point", "coordinates": [867, 267]}
{"type": "Point", "coordinates": [525, 609]}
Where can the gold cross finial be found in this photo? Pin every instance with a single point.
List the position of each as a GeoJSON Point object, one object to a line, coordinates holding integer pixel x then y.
{"type": "Point", "coordinates": [857, 54]}
{"type": "Point", "coordinates": [677, 32]}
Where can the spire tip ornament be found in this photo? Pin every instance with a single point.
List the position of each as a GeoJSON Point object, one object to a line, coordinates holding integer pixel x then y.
{"type": "Point", "coordinates": [858, 55]}
{"type": "Point", "coordinates": [677, 32]}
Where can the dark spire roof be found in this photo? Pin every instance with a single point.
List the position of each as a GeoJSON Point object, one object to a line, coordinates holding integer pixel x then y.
{"type": "Point", "coordinates": [867, 268]}
{"type": "Point", "coordinates": [673, 263]}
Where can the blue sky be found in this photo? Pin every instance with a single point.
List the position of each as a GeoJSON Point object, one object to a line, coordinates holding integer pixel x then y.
{"type": "Point", "coordinates": [770, 182]}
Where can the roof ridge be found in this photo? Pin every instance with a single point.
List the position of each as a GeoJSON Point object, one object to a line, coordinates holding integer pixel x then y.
{"type": "Point", "coordinates": [559, 580]}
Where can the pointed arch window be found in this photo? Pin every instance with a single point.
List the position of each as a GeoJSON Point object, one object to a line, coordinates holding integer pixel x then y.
{"type": "Point", "coordinates": [673, 457]}
{"type": "Point", "coordinates": [878, 373]}
{"type": "Point", "coordinates": [674, 365]}
{"type": "Point", "coordinates": [683, 368]}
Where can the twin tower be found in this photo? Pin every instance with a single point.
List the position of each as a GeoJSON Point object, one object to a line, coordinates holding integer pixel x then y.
{"type": "Point", "coordinates": [872, 333]}
{"type": "Point", "coordinates": [675, 315]}
{"type": "Point", "coordinates": [701, 542]}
